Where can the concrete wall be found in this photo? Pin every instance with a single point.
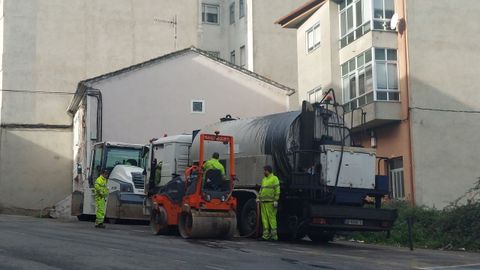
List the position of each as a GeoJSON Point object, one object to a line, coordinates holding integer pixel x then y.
{"type": "Point", "coordinates": [320, 67]}
{"type": "Point", "coordinates": [50, 45]}
{"type": "Point", "coordinates": [443, 56]}
{"type": "Point", "coordinates": [162, 104]}
{"type": "Point", "coordinates": [273, 46]}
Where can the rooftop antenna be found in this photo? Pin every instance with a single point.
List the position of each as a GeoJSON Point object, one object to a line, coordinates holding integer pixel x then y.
{"type": "Point", "coordinates": [172, 22]}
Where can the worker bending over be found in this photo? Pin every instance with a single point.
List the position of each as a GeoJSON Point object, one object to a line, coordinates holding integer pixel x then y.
{"type": "Point", "coordinates": [268, 198]}
{"type": "Point", "coordinates": [101, 195]}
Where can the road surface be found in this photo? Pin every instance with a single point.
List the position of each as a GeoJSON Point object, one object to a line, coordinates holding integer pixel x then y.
{"type": "Point", "coordinates": [33, 243]}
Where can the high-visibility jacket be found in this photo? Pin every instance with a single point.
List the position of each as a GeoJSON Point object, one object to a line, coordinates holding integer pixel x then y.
{"type": "Point", "coordinates": [270, 189]}
{"type": "Point", "coordinates": [213, 164]}
{"type": "Point", "coordinates": [101, 189]}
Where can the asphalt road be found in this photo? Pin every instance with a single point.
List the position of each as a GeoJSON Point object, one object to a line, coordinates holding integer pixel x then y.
{"type": "Point", "coordinates": [32, 243]}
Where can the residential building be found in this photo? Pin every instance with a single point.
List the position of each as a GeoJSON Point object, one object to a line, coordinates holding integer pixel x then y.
{"type": "Point", "coordinates": [49, 46]}
{"type": "Point", "coordinates": [407, 86]}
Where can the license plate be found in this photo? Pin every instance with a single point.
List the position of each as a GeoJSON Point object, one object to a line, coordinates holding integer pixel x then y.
{"type": "Point", "coordinates": [357, 222]}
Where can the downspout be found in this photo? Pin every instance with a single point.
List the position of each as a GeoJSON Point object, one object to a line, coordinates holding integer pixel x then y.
{"type": "Point", "coordinates": [407, 93]}
{"type": "Point", "coordinates": [92, 92]}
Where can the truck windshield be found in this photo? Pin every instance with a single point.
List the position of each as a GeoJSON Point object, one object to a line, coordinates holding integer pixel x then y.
{"type": "Point", "coordinates": [123, 156]}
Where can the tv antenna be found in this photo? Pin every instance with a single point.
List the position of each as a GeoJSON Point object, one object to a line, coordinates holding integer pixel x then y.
{"type": "Point", "coordinates": [173, 23]}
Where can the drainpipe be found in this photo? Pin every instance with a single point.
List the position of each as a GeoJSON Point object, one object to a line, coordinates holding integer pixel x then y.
{"type": "Point", "coordinates": [407, 94]}
{"type": "Point", "coordinates": [92, 92]}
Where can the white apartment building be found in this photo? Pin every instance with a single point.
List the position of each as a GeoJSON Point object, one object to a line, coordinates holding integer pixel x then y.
{"type": "Point", "coordinates": [407, 86]}
{"type": "Point", "coordinates": [48, 46]}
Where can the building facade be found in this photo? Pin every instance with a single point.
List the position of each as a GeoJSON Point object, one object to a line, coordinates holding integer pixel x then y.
{"type": "Point", "coordinates": [48, 46]}
{"type": "Point", "coordinates": [406, 86]}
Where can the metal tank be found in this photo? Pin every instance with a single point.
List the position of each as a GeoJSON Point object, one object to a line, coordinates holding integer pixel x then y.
{"type": "Point", "coordinates": [273, 139]}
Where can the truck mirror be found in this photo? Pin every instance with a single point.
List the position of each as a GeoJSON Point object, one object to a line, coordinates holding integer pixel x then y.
{"type": "Point", "coordinates": [144, 151]}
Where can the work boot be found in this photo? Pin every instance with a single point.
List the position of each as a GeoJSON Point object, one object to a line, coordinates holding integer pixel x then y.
{"type": "Point", "coordinates": [100, 226]}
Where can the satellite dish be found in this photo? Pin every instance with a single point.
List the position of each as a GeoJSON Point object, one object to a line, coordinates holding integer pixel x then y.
{"type": "Point", "coordinates": [394, 21]}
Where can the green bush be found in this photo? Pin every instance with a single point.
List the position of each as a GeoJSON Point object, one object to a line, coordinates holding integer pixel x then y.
{"type": "Point", "coordinates": [455, 227]}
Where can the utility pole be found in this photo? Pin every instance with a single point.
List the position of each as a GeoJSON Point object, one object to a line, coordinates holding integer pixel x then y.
{"type": "Point", "coordinates": [173, 23]}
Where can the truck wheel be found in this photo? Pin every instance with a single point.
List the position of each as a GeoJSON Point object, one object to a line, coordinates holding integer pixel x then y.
{"type": "Point", "coordinates": [158, 221]}
{"type": "Point", "coordinates": [321, 237]}
{"type": "Point", "coordinates": [248, 218]}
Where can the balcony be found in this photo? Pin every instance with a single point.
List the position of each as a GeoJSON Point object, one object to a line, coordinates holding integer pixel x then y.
{"type": "Point", "coordinates": [374, 114]}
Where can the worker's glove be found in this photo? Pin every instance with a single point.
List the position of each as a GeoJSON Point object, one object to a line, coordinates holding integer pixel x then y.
{"type": "Point", "coordinates": [275, 204]}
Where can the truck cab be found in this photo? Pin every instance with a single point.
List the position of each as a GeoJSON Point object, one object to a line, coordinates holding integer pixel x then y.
{"type": "Point", "coordinates": [126, 164]}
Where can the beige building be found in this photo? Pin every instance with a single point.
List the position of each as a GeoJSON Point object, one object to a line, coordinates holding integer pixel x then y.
{"type": "Point", "coordinates": [408, 85]}
{"type": "Point", "coordinates": [48, 46]}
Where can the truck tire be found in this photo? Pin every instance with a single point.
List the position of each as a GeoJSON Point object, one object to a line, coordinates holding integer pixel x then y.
{"type": "Point", "coordinates": [321, 237]}
{"type": "Point", "coordinates": [248, 219]}
{"type": "Point", "coordinates": [158, 221]}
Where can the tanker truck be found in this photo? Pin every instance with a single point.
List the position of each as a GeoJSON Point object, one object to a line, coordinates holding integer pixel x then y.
{"type": "Point", "coordinates": [325, 181]}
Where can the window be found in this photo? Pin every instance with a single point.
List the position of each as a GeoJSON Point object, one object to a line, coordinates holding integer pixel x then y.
{"type": "Point", "coordinates": [370, 76]}
{"type": "Point", "coordinates": [210, 13]}
{"type": "Point", "coordinates": [383, 11]}
{"type": "Point", "coordinates": [397, 182]}
{"type": "Point", "coordinates": [232, 57]}
{"type": "Point", "coordinates": [313, 37]}
{"type": "Point", "coordinates": [386, 73]}
{"type": "Point", "coordinates": [315, 95]}
{"type": "Point", "coordinates": [214, 53]}
{"type": "Point", "coordinates": [242, 57]}
{"type": "Point", "coordinates": [232, 13]}
{"type": "Point", "coordinates": [354, 20]}
{"type": "Point", "coordinates": [241, 8]}
{"type": "Point", "coordinates": [357, 81]}
{"type": "Point", "coordinates": [198, 106]}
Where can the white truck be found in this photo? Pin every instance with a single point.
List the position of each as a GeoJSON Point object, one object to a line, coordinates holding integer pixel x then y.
{"type": "Point", "coordinates": [126, 163]}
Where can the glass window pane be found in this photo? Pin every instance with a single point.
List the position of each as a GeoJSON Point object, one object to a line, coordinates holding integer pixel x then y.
{"type": "Point", "coordinates": [379, 25]}
{"type": "Point", "coordinates": [349, 2]}
{"type": "Point", "coordinates": [368, 56]}
{"type": "Point", "coordinates": [353, 87]}
{"type": "Point", "coordinates": [358, 13]}
{"type": "Point", "coordinates": [310, 40]}
{"type": "Point", "coordinates": [393, 96]}
{"type": "Point", "coordinates": [351, 65]}
{"type": "Point", "coordinates": [344, 68]}
{"type": "Point", "coordinates": [232, 13]}
{"type": "Point", "coordinates": [381, 76]}
{"type": "Point", "coordinates": [361, 101]}
{"type": "Point", "coordinates": [346, 94]}
{"type": "Point", "coordinates": [367, 10]}
{"type": "Point", "coordinates": [378, 9]}
{"type": "Point", "coordinates": [391, 54]}
{"type": "Point", "coordinates": [343, 23]}
{"type": "Point", "coordinates": [392, 76]}
{"type": "Point", "coordinates": [361, 82]}
{"type": "Point", "coordinates": [317, 34]}
{"type": "Point", "coordinates": [382, 95]}
{"type": "Point", "coordinates": [389, 8]}
{"type": "Point", "coordinates": [349, 19]}
{"type": "Point", "coordinates": [342, 4]}
{"type": "Point", "coordinates": [361, 60]}
{"type": "Point", "coordinates": [379, 54]}
{"type": "Point", "coordinates": [368, 79]}
{"type": "Point", "coordinates": [369, 97]}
